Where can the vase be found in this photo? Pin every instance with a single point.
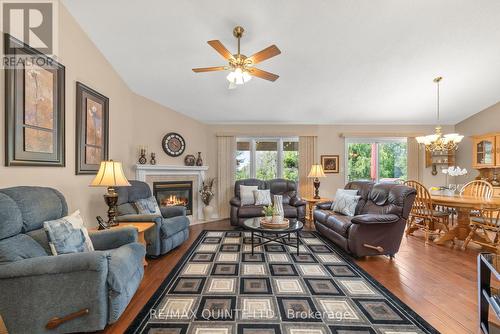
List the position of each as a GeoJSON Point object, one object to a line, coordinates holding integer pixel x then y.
{"type": "Point", "coordinates": [277, 219]}
{"type": "Point", "coordinates": [199, 160]}
{"type": "Point", "coordinates": [278, 204]}
{"type": "Point", "coordinates": [208, 211]}
{"type": "Point", "coordinates": [268, 219]}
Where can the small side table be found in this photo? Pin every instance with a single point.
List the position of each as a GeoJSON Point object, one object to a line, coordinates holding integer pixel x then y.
{"type": "Point", "coordinates": [141, 227]}
{"type": "Point", "coordinates": [311, 204]}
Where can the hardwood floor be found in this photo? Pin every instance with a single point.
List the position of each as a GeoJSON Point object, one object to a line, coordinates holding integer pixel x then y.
{"type": "Point", "coordinates": [437, 282]}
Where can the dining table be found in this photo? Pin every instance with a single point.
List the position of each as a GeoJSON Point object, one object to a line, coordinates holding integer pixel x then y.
{"type": "Point", "coordinates": [463, 205]}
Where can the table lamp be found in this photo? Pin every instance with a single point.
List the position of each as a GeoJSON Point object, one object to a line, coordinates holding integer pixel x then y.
{"type": "Point", "coordinates": [316, 172]}
{"type": "Point", "coordinates": [110, 175]}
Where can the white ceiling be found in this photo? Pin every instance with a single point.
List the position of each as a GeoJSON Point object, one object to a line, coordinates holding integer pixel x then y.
{"type": "Point", "coordinates": [350, 61]}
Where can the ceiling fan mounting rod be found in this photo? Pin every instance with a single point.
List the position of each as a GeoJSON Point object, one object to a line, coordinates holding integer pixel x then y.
{"type": "Point", "coordinates": [238, 33]}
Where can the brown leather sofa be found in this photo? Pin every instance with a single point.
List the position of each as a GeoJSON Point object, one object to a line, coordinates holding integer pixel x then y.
{"type": "Point", "coordinates": [293, 206]}
{"type": "Point", "coordinates": [379, 221]}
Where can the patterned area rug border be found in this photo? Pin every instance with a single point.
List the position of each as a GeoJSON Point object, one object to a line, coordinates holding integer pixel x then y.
{"type": "Point", "coordinates": [141, 319]}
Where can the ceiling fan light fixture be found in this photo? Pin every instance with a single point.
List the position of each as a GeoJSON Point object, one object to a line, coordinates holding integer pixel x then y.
{"type": "Point", "coordinates": [238, 76]}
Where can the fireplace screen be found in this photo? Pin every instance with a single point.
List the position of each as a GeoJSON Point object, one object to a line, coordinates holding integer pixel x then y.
{"type": "Point", "coordinates": [174, 193]}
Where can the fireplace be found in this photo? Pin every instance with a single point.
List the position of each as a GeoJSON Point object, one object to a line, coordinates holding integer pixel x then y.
{"type": "Point", "coordinates": [174, 193]}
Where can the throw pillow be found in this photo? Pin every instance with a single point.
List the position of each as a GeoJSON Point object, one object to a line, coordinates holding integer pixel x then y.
{"type": "Point", "coordinates": [246, 194]}
{"type": "Point", "coordinates": [147, 206]}
{"type": "Point", "coordinates": [343, 191]}
{"type": "Point", "coordinates": [262, 197]}
{"type": "Point", "coordinates": [68, 235]}
{"type": "Point", "coordinates": [346, 203]}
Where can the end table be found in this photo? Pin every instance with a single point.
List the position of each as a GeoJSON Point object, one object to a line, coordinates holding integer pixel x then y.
{"type": "Point", "coordinates": [141, 227]}
{"type": "Point", "coordinates": [311, 204]}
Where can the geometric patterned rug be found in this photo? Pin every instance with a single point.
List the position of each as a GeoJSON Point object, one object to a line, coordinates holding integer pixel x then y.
{"type": "Point", "coordinates": [219, 287]}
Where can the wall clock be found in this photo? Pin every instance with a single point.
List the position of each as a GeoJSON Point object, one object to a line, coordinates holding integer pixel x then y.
{"type": "Point", "coordinates": [173, 144]}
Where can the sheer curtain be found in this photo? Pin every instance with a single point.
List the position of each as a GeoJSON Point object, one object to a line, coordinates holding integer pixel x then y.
{"type": "Point", "coordinates": [308, 148]}
{"type": "Point", "coordinates": [226, 167]}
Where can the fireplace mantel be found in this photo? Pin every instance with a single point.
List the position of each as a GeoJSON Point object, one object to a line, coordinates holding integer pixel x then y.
{"type": "Point", "coordinates": [146, 173]}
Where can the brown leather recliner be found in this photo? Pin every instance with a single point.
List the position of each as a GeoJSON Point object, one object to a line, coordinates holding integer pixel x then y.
{"type": "Point", "coordinates": [379, 221]}
{"type": "Point", "coordinates": [293, 206]}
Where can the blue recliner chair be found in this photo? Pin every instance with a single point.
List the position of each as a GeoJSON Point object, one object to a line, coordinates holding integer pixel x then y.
{"type": "Point", "coordinates": [172, 227]}
{"type": "Point", "coordinates": [36, 287]}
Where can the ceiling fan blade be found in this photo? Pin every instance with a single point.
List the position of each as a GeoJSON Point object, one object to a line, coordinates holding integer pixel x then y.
{"type": "Point", "coordinates": [221, 49]}
{"type": "Point", "coordinates": [209, 69]}
{"type": "Point", "coordinates": [267, 53]}
{"type": "Point", "coordinates": [263, 74]}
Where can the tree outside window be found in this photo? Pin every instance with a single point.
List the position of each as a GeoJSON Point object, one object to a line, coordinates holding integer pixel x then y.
{"type": "Point", "coordinates": [375, 160]}
{"type": "Point", "coordinates": [267, 158]}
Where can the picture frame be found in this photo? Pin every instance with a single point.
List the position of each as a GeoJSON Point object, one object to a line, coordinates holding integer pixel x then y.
{"type": "Point", "coordinates": [34, 108]}
{"type": "Point", "coordinates": [330, 164]}
{"type": "Point", "coordinates": [92, 129]}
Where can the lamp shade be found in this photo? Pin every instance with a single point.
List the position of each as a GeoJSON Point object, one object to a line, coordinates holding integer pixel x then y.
{"type": "Point", "coordinates": [316, 171]}
{"type": "Point", "coordinates": [110, 174]}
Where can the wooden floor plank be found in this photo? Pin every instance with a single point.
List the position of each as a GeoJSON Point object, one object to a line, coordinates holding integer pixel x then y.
{"type": "Point", "coordinates": [437, 282]}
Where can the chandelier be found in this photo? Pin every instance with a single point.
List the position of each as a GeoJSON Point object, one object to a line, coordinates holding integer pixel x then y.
{"type": "Point", "coordinates": [437, 141]}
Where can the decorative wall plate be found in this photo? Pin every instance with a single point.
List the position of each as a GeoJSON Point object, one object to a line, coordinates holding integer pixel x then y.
{"type": "Point", "coordinates": [173, 144]}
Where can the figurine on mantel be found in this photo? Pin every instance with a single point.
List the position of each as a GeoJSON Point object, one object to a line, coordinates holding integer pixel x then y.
{"type": "Point", "coordinates": [153, 158]}
{"type": "Point", "coordinates": [142, 156]}
{"type": "Point", "coordinates": [199, 161]}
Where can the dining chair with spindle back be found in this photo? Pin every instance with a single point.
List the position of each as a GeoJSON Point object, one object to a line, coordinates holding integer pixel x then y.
{"type": "Point", "coordinates": [488, 220]}
{"type": "Point", "coordinates": [477, 188]}
{"type": "Point", "coordinates": [423, 214]}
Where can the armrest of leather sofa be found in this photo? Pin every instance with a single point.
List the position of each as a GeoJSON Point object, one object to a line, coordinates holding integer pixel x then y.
{"type": "Point", "coordinates": [235, 201]}
{"type": "Point", "coordinates": [297, 201]}
{"type": "Point", "coordinates": [375, 219]}
{"type": "Point", "coordinates": [324, 205]}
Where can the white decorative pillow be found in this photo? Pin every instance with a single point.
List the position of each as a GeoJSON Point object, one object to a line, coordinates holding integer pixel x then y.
{"type": "Point", "coordinates": [68, 235]}
{"type": "Point", "coordinates": [343, 191]}
{"type": "Point", "coordinates": [246, 195]}
{"type": "Point", "coordinates": [346, 203]}
{"type": "Point", "coordinates": [147, 206]}
{"type": "Point", "coordinates": [262, 197]}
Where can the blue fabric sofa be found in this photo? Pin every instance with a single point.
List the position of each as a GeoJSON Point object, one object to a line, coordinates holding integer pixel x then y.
{"type": "Point", "coordinates": [171, 229]}
{"type": "Point", "coordinates": [36, 287]}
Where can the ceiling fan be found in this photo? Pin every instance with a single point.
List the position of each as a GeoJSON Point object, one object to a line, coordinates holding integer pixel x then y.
{"type": "Point", "coordinates": [241, 67]}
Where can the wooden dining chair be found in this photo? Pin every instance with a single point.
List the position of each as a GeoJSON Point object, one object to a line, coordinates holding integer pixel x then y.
{"type": "Point", "coordinates": [477, 188]}
{"type": "Point", "coordinates": [488, 220]}
{"type": "Point", "coordinates": [423, 215]}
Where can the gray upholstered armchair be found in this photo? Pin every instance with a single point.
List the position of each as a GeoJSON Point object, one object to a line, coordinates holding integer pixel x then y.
{"type": "Point", "coordinates": [36, 287]}
{"type": "Point", "coordinates": [171, 229]}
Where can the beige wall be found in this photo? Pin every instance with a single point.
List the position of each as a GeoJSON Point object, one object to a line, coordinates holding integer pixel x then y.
{"type": "Point", "coordinates": [483, 122]}
{"type": "Point", "coordinates": [134, 120]}
{"type": "Point", "coordinates": [329, 142]}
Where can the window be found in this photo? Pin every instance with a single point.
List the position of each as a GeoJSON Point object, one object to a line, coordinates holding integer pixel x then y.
{"type": "Point", "coordinates": [267, 158]}
{"type": "Point", "coordinates": [376, 159]}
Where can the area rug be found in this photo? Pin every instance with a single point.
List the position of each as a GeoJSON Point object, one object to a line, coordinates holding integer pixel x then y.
{"type": "Point", "coordinates": [219, 287]}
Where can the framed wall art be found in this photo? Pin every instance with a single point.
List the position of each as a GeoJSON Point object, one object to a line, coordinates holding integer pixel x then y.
{"type": "Point", "coordinates": [330, 163]}
{"type": "Point", "coordinates": [92, 129]}
{"type": "Point", "coordinates": [34, 108]}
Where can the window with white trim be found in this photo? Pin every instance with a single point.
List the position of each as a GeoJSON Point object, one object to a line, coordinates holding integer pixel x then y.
{"type": "Point", "coordinates": [376, 159]}
{"type": "Point", "coordinates": [267, 158]}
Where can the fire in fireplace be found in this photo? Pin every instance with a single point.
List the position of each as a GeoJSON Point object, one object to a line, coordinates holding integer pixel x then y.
{"type": "Point", "coordinates": [173, 193]}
